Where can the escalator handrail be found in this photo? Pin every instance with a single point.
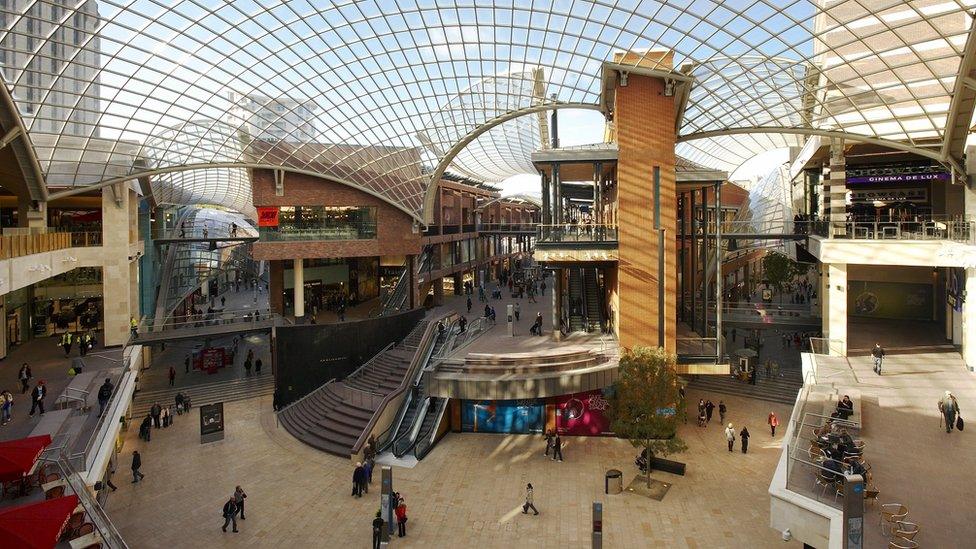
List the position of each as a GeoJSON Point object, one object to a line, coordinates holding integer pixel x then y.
{"type": "Point", "coordinates": [404, 443]}
{"type": "Point", "coordinates": [426, 441]}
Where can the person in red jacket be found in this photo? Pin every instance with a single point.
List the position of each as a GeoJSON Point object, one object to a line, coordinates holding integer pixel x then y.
{"type": "Point", "coordinates": [773, 422]}
{"type": "Point", "coordinates": [401, 518]}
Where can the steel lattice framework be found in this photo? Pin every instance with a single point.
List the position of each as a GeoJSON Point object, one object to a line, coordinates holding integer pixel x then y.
{"type": "Point", "coordinates": [374, 94]}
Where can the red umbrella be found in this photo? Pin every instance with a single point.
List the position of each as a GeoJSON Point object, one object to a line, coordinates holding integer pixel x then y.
{"type": "Point", "coordinates": [18, 456]}
{"type": "Point", "coordinates": [36, 525]}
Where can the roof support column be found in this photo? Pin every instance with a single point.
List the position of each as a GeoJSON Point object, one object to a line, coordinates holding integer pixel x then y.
{"type": "Point", "coordinates": [557, 195]}
{"type": "Point", "coordinates": [835, 190]}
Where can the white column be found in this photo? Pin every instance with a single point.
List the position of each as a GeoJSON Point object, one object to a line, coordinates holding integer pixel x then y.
{"type": "Point", "coordinates": [205, 288]}
{"type": "Point", "coordinates": [835, 308]}
{"type": "Point", "coordinates": [117, 271]}
{"type": "Point", "coordinates": [969, 321]}
{"type": "Point", "coordinates": [299, 290]}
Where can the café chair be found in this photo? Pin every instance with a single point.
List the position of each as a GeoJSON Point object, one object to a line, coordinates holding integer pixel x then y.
{"type": "Point", "coordinates": [54, 493]}
{"type": "Point", "coordinates": [891, 514]}
{"type": "Point", "coordinates": [906, 530]}
{"type": "Point", "coordinates": [822, 480]}
{"type": "Point", "coordinates": [84, 530]}
{"type": "Point", "coordinates": [71, 528]}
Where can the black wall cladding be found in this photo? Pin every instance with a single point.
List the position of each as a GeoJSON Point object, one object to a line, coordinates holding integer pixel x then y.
{"type": "Point", "coordinates": [308, 355]}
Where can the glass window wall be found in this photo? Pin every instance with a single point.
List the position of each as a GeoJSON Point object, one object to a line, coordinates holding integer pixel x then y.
{"type": "Point", "coordinates": [323, 223]}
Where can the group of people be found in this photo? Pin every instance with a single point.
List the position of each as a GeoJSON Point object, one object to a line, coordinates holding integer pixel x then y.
{"type": "Point", "coordinates": [233, 507]}
{"type": "Point", "coordinates": [160, 416]}
{"type": "Point", "coordinates": [706, 409]}
{"type": "Point", "coordinates": [555, 444]}
{"type": "Point", "coordinates": [399, 511]}
{"type": "Point", "coordinates": [86, 342]}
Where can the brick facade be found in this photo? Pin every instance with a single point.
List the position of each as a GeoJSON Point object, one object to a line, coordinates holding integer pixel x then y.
{"type": "Point", "coordinates": [644, 119]}
{"type": "Point", "coordinates": [395, 234]}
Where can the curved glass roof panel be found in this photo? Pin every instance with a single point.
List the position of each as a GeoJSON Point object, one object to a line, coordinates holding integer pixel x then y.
{"type": "Point", "coordinates": [374, 93]}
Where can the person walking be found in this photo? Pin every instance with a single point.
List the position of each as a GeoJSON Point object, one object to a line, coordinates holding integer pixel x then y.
{"type": "Point", "coordinates": [230, 514]}
{"type": "Point", "coordinates": [401, 518]}
{"type": "Point", "coordinates": [172, 376]}
{"type": "Point", "coordinates": [25, 376]}
{"type": "Point", "coordinates": [469, 305]}
{"type": "Point", "coordinates": [773, 422]}
{"type": "Point", "coordinates": [6, 405]}
{"type": "Point", "coordinates": [549, 440]}
{"type": "Point", "coordinates": [529, 500]}
{"type": "Point", "coordinates": [721, 411]}
{"type": "Point", "coordinates": [257, 367]}
{"type": "Point", "coordinates": [133, 327]}
{"type": "Point", "coordinates": [239, 497]}
{"type": "Point", "coordinates": [517, 311]}
{"type": "Point", "coordinates": [949, 407]}
{"type": "Point", "coordinates": [156, 411]}
{"type": "Point", "coordinates": [709, 408]}
{"type": "Point", "coordinates": [66, 343]}
{"type": "Point", "coordinates": [186, 364]}
{"type": "Point", "coordinates": [744, 435]}
{"type": "Point", "coordinates": [378, 523]}
{"type": "Point", "coordinates": [247, 366]}
{"type": "Point", "coordinates": [730, 436]}
{"type": "Point", "coordinates": [136, 465]}
{"type": "Point", "coordinates": [37, 397]}
{"type": "Point", "coordinates": [878, 354]}
{"type": "Point", "coordinates": [104, 394]}
{"type": "Point", "coordinates": [357, 480]}
{"type": "Point", "coordinates": [557, 448]}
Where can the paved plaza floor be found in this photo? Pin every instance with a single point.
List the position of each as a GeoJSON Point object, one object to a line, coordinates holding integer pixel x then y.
{"type": "Point", "coordinates": [467, 493]}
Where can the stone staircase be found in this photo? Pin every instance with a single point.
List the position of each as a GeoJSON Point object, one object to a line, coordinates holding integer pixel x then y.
{"type": "Point", "coordinates": [333, 417]}
{"type": "Point", "coordinates": [205, 393]}
{"type": "Point", "coordinates": [782, 389]}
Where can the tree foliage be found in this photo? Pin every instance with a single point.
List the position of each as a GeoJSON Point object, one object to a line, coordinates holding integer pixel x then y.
{"type": "Point", "coordinates": [646, 400]}
{"type": "Point", "coordinates": [779, 270]}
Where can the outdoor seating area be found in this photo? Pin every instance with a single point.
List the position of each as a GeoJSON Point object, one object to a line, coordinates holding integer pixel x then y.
{"type": "Point", "coordinates": [37, 490]}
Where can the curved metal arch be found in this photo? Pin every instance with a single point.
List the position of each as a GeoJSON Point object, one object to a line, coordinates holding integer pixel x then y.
{"type": "Point", "coordinates": [928, 153]}
{"type": "Point", "coordinates": [22, 146]}
{"type": "Point", "coordinates": [245, 165]}
{"type": "Point", "coordinates": [533, 201]}
{"type": "Point", "coordinates": [448, 157]}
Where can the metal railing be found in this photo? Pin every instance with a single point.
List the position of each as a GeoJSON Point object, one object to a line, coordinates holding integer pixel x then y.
{"type": "Point", "coordinates": [215, 318]}
{"type": "Point", "coordinates": [213, 229]}
{"type": "Point", "coordinates": [933, 227]}
{"type": "Point", "coordinates": [345, 231]}
{"type": "Point", "coordinates": [457, 339]}
{"type": "Point", "coordinates": [111, 538]}
{"type": "Point", "coordinates": [826, 346]}
{"type": "Point", "coordinates": [571, 232]}
{"type": "Point", "coordinates": [508, 227]}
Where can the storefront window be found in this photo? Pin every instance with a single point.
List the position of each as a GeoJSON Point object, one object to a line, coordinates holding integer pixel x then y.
{"type": "Point", "coordinates": [322, 223]}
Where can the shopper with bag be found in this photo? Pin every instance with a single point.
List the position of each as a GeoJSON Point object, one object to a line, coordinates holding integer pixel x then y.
{"type": "Point", "coordinates": [949, 407]}
{"type": "Point", "coordinates": [730, 436]}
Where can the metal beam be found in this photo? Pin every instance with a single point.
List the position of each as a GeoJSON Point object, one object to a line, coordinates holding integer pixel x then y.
{"type": "Point", "coordinates": [960, 116]}
{"type": "Point", "coordinates": [81, 189]}
{"type": "Point", "coordinates": [23, 149]}
{"type": "Point", "coordinates": [428, 215]}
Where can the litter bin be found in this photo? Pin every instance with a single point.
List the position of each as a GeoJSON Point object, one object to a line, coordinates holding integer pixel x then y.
{"type": "Point", "coordinates": [614, 482]}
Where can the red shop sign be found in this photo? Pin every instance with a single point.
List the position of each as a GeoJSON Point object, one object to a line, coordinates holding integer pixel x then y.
{"type": "Point", "coordinates": [268, 217]}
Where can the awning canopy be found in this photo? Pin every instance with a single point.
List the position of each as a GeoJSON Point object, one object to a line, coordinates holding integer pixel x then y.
{"type": "Point", "coordinates": [36, 525]}
{"type": "Point", "coordinates": [17, 457]}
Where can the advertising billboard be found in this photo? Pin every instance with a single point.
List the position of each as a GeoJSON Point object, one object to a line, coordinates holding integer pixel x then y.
{"type": "Point", "coordinates": [897, 300]}
{"type": "Point", "coordinates": [268, 216]}
{"type": "Point", "coordinates": [583, 414]}
{"type": "Point", "coordinates": [502, 416]}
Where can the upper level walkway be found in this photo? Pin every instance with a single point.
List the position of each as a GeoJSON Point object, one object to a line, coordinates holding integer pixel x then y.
{"type": "Point", "coordinates": [205, 325]}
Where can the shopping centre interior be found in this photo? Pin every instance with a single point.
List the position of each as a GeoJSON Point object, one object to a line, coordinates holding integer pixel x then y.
{"type": "Point", "coordinates": [303, 250]}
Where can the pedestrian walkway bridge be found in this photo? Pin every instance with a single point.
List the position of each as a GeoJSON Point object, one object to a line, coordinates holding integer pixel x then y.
{"type": "Point", "coordinates": [205, 325]}
{"type": "Point", "coordinates": [213, 239]}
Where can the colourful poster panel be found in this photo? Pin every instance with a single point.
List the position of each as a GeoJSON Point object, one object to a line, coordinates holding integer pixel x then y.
{"type": "Point", "coordinates": [895, 300]}
{"type": "Point", "coordinates": [584, 414]}
{"type": "Point", "coordinates": [502, 416]}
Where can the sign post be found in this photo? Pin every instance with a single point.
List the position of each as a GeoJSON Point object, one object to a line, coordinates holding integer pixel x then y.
{"type": "Point", "coordinates": [386, 503]}
{"type": "Point", "coordinates": [853, 512]}
{"type": "Point", "coordinates": [211, 422]}
{"type": "Point", "coordinates": [597, 525]}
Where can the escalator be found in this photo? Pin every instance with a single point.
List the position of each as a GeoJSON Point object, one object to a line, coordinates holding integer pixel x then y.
{"type": "Point", "coordinates": [593, 297]}
{"type": "Point", "coordinates": [428, 434]}
{"type": "Point", "coordinates": [576, 312]}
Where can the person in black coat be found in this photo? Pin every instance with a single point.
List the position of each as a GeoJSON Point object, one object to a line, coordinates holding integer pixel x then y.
{"type": "Point", "coordinates": [557, 448]}
{"type": "Point", "coordinates": [37, 397]}
{"type": "Point", "coordinates": [744, 435]}
{"type": "Point", "coordinates": [230, 514]}
{"type": "Point", "coordinates": [136, 464]}
{"type": "Point", "coordinates": [104, 394]}
{"type": "Point", "coordinates": [378, 523]}
{"type": "Point", "coordinates": [358, 479]}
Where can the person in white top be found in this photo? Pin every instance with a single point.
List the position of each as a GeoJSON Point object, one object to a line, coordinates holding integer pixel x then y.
{"type": "Point", "coordinates": [730, 436]}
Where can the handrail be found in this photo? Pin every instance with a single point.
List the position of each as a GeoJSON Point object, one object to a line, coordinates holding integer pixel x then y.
{"type": "Point", "coordinates": [111, 537]}
{"type": "Point", "coordinates": [214, 318]}
{"type": "Point", "coordinates": [411, 436]}
{"type": "Point", "coordinates": [426, 341]}
{"type": "Point", "coordinates": [425, 441]}
{"type": "Point", "coordinates": [389, 436]}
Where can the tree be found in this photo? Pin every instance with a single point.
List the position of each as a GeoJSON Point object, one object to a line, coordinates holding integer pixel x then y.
{"type": "Point", "coordinates": [645, 402]}
{"type": "Point", "coordinates": [779, 270]}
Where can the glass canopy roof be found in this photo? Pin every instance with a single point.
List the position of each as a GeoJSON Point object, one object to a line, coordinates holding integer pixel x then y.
{"type": "Point", "coordinates": [376, 93]}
